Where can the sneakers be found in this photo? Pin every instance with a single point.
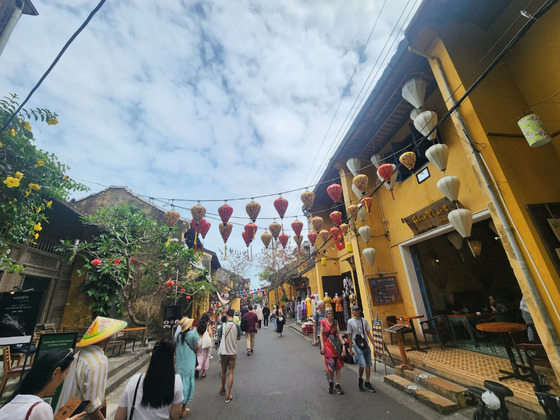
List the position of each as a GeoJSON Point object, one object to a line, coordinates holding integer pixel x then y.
{"type": "Point", "coordinates": [229, 398]}
{"type": "Point", "coordinates": [368, 386]}
{"type": "Point", "coordinates": [251, 350]}
{"type": "Point", "coordinates": [339, 389]}
{"type": "Point", "coordinates": [222, 390]}
{"type": "Point", "coordinates": [331, 387]}
{"type": "Point", "coordinates": [361, 385]}
{"type": "Point", "coordinates": [248, 352]}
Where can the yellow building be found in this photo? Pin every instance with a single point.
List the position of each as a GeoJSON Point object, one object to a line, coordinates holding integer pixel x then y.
{"type": "Point", "coordinates": [484, 66]}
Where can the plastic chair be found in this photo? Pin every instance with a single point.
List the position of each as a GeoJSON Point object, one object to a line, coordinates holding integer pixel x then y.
{"type": "Point", "coordinates": [9, 370]}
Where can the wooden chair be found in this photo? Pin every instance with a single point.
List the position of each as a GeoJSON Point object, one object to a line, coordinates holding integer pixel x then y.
{"type": "Point", "coordinates": [9, 370]}
{"type": "Point", "coordinates": [438, 327]}
{"type": "Point", "coordinates": [119, 341]}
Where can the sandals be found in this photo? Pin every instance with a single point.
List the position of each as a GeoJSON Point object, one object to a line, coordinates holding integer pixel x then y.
{"type": "Point", "coordinates": [185, 412]}
{"type": "Point", "coordinates": [203, 375]}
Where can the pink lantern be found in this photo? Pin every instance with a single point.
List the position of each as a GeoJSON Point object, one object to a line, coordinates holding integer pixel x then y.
{"type": "Point", "coordinates": [225, 211]}
{"type": "Point", "coordinates": [281, 205]}
{"type": "Point", "coordinates": [297, 226]}
{"type": "Point", "coordinates": [251, 230]}
{"type": "Point", "coordinates": [367, 202]}
{"type": "Point", "coordinates": [283, 238]}
{"type": "Point", "coordinates": [312, 236]}
{"type": "Point", "coordinates": [336, 218]}
{"type": "Point", "coordinates": [203, 227]}
{"type": "Point", "coordinates": [335, 192]}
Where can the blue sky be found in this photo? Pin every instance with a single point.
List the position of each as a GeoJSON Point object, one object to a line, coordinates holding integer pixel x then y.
{"type": "Point", "coordinates": [192, 100]}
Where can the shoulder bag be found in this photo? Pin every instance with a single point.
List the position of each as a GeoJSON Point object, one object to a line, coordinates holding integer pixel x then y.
{"type": "Point", "coordinates": [133, 406]}
{"type": "Point", "coordinates": [360, 340]}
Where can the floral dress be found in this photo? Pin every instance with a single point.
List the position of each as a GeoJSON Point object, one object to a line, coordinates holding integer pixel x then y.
{"type": "Point", "coordinates": [333, 357]}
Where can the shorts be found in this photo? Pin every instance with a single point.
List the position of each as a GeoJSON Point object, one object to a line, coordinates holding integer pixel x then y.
{"type": "Point", "coordinates": [227, 361]}
{"type": "Point", "coordinates": [363, 356]}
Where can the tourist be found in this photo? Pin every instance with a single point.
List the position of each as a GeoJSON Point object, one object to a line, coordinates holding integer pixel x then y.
{"type": "Point", "coordinates": [280, 321]}
{"type": "Point", "coordinates": [252, 328]}
{"type": "Point", "coordinates": [229, 334]}
{"type": "Point", "coordinates": [332, 347]}
{"type": "Point", "coordinates": [46, 374]}
{"type": "Point", "coordinates": [187, 348]}
{"type": "Point", "coordinates": [318, 316]}
{"type": "Point", "coordinates": [159, 393]}
{"type": "Point", "coordinates": [266, 315]}
{"type": "Point", "coordinates": [259, 312]}
{"type": "Point", "coordinates": [358, 330]}
{"type": "Point", "coordinates": [87, 376]}
{"type": "Point", "coordinates": [203, 354]}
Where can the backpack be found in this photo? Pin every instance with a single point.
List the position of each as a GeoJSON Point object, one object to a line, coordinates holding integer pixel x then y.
{"type": "Point", "coordinates": [244, 323]}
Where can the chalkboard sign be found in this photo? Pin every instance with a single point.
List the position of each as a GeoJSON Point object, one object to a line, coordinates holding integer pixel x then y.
{"type": "Point", "coordinates": [384, 290]}
{"type": "Point", "coordinates": [19, 313]}
{"type": "Point", "coordinates": [171, 314]}
{"type": "Point", "coordinates": [56, 341]}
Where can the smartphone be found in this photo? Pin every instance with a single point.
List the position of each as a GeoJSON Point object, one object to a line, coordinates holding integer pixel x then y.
{"type": "Point", "coordinates": [81, 408]}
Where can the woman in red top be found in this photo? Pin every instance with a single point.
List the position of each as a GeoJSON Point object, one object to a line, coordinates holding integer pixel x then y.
{"type": "Point", "coordinates": [331, 342]}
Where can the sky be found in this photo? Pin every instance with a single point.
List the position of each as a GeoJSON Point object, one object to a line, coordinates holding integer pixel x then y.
{"type": "Point", "coordinates": [188, 101]}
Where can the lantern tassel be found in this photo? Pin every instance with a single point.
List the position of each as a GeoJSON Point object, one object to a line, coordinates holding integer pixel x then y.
{"type": "Point", "coordinates": [392, 195]}
{"type": "Point", "coordinates": [225, 252]}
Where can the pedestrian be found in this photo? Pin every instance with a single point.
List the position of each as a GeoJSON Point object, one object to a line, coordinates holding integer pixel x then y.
{"type": "Point", "coordinates": [359, 331]}
{"type": "Point", "coordinates": [244, 310]}
{"type": "Point", "coordinates": [236, 318]}
{"type": "Point", "coordinates": [203, 354]}
{"type": "Point", "coordinates": [259, 312]}
{"type": "Point", "coordinates": [46, 374]}
{"type": "Point", "coordinates": [273, 316]}
{"type": "Point", "coordinates": [280, 321]}
{"type": "Point", "coordinates": [332, 347]}
{"type": "Point", "coordinates": [159, 393]}
{"type": "Point", "coordinates": [187, 348]}
{"type": "Point", "coordinates": [266, 315]}
{"type": "Point", "coordinates": [87, 376]}
{"type": "Point", "coordinates": [318, 316]}
{"type": "Point", "coordinates": [252, 329]}
{"type": "Point", "coordinates": [229, 334]}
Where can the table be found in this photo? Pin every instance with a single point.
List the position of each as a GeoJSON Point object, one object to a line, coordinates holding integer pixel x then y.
{"type": "Point", "coordinates": [470, 321]}
{"type": "Point", "coordinates": [504, 328]}
{"type": "Point", "coordinates": [131, 334]}
{"type": "Point", "coordinates": [410, 319]}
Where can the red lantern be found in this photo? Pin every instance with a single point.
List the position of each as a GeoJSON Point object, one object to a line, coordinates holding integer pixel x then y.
{"type": "Point", "coordinates": [338, 238]}
{"type": "Point", "coordinates": [253, 209]}
{"type": "Point", "coordinates": [335, 192]}
{"type": "Point", "coordinates": [283, 238]}
{"type": "Point", "coordinates": [336, 218]}
{"type": "Point", "coordinates": [367, 202]}
{"type": "Point", "coordinates": [198, 213]}
{"type": "Point", "coordinates": [298, 240]}
{"type": "Point", "coordinates": [281, 205]}
{"type": "Point", "coordinates": [251, 230]}
{"type": "Point", "coordinates": [297, 226]}
{"type": "Point", "coordinates": [96, 262]}
{"type": "Point", "coordinates": [225, 211]}
{"type": "Point", "coordinates": [312, 236]}
{"type": "Point", "coordinates": [385, 173]}
{"type": "Point", "coordinates": [203, 227]}
{"type": "Point", "coordinates": [246, 238]}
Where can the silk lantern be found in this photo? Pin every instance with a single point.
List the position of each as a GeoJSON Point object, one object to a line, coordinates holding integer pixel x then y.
{"type": "Point", "coordinates": [360, 182]}
{"type": "Point", "coordinates": [317, 223]}
{"type": "Point", "coordinates": [353, 211]}
{"type": "Point", "coordinates": [266, 238]}
{"type": "Point", "coordinates": [362, 213]}
{"type": "Point", "coordinates": [335, 192]}
{"type": "Point", "coordinates": [275, 229]}
{"type": "Point", "coordinates": [312, 236]}
{"type": "Point", "coordinates": [461, 220]}
{"type": "Point", "coordinates": [414, 91]}
{"type": "Point", "coordinates": [437, 155]}
{"type": "Point", "coordinates": [324, 234]}
{"type": "Point", "coordinates": [354, 165]}
{"type": "Point", "coordinates": [408, 159]}
{"type": "Point", "coordinates": [253, 209]}
{"type": "Point", "coordinates": [425, 122]}
{"type": "Point", "coordinates": [283, 239]}
{"type": "Point", "coordinates": [307, 198]}
{"type": "Point", "coordinates": [297, 226]}
{"type": "Point", "coordinates": [336, 218]}
{"type": "Point", "coordinates": [450, 185]}
{"type": "Point", "coordinates": [281, 205]}
{"type": "Point", "coordinates": [369, 254]}
{"type": "Point", "coordinates": [365, 233]}
{"type": "Point", "coordinates": [533, 129]}
{"type": "Point", "coordinates": [225, 211]}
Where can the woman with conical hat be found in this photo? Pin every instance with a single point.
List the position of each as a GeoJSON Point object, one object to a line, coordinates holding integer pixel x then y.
{"type": "Point", "coordinates": [187, 349]}
{"type": "Point", "coordinates": [87, 377]}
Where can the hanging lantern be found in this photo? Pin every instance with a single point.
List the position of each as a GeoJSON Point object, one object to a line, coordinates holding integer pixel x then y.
{"type": "Point", "coordinates": [338, 237]}
{"type": "Point", "coordinates": [225, 230]}
{"type": "Point", "coordinates": [297, 226]}
{"type": "Point", "coordinates": [246, 238]}
{"type": "Point", "coordinates": [414, 91]}
{"type": "Point", "coordinates": [307, 198]}
{"type": "Point", "coordinates": [365, 233]}
{"type": "Point", "coordinates": [533, 129]}
{"type": "Point", "coordinates": [281, 205]}
{"type": "Point", "coordinates": [298, 239]}
{"type": "Point", "coordinates": [171, 217]}
{"type": "Point", "coordinates": [461, 220]}
{"type": "Point", "coordinates": [317, 223]}
{"type": "Point", "coordinates": [253, 209]}
{"type": "Point", "coordinates": [266, 238]}
{"type": "Point", "coordinates": [275, 229]}
{"type": "Point", "coordinates": [354, 165]}
{"type": "Point", "coordinates": [324, 261]}
{"type": "Point", "coordinates": [349, 248]}
{"type": "Point", "coordinates": [456, 239]}
{"type": "Point", "coordinates": [408, 159]}
{"type": "Point", "coordinates": [336, 218]}
{"type": "Point", "coordinates": [360, 182]}
{"type": "Point", "coordinates": [283, 239]}
{"type": "Point", "coordinates": [388, 173]}
{"type": "Point", "coordinates": [367, 202]}
{"type": "Point", "coordinates": [357, 192]}
{"type": "Point", "coordinates": [345, 228]}
{"type": "Point", "coordinates": [362, 213]}
{"type": "Point", "coordinates": [335, 192]}
{"type": "Point", "coordinates": [198, 213]}
{"type": "Point", "coordinates": [203, 227]}
{"type": "Point", "coordinates": [437, 155]}
{"type": "Point", "coordinates": [251, 230]}
{"type": "Point", "coordinates": [425, 122]}
{"type": "Point", "coordinates": [324, 234]}
{"type": "Point", "coordinates": [414, 113]}
{"type": "Point", "coordinates": [450, 185]}
{"type": "Point", "coordinates": [369, 254]}
{"type": "Point", "coordinates": [312, 236]}
{"type": "Point", "coordinates": [225, 211]}
{"type": "Point", "coordinates": [376, 160]}
{"type": "Point", "coordinates": [353, 210]}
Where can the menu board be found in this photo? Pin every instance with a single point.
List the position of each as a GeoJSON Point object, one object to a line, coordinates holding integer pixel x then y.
{"type": "Point", "coordinates": [384, 290]}
{"type": "Point", "coordinates": [19, 313]}
{"type": "Point", "coordinates": [172, 314]}
{"type": "Point", "coordinates": [377, 332]}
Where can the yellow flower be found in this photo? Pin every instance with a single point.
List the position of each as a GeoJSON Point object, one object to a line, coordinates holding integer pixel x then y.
{"type": "Point", "coordinates": [18, 175]}
{"type": "Point", "coordinates": [34, 187]}
{"type": "Point", "coordinates": [27, 125]}
{"type": "Point", "coordinates": [27, 193]}
{"type": "Point", "coordinates": [13, 132]}
{"type": "Point", "coordinates": [38, 209]}
{"type": "Point", "coordinates": [52, 121]}
{"type": "Point", "coordinates": [36, 235]}
{"type": "Point", "coordinates": [39, 163]}
{"type": "Point", "coordinates": [11, 182]}
{"type": "Point", "coordinates": [38, 227]}
{"type": "Point", "coordinates": [49, 204]}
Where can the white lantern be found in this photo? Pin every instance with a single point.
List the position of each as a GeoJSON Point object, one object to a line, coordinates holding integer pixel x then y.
{"type": "Point", "coordinates": [369, 254]}
{"type": "Point", "coordinates": [424, 123]}
{"type": "Point", "coordinates": [450, 185]}
{"type": "Point", "coordinates": [376, 160]}
{"type": "Point", "coordinates": [437, 155]}
{"type": "Point", "coordinates": [365, 233]}
{"type": "Point", "coordinates": [461, 220]}
{"type": "Point", "coordinates": [414, 113]}
{"type": "Point", "coordinates": [354, 165]}
{"type": "Point", "coordinates": [414, 91]}
{"type": "Point", "coordinates": [455, 239]}
{"type": "Point", "coordinates": [357, 192]}
{"type": "Point", "coordinates": [362, 213]}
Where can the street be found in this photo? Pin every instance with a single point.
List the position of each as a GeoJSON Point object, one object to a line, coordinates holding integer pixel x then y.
{"type": "Point", "coordinates": [285, 378]}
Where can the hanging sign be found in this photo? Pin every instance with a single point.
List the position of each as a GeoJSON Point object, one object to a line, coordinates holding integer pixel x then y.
{"type": "Point", "coordinates": [431, 217]}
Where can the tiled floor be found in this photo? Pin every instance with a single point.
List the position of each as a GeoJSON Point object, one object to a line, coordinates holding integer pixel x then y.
{"type": "Point", "coordinates": [472, 368]}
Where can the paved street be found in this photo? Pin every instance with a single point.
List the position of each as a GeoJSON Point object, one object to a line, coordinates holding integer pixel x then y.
{"type": "Point", "coordinates": [284, 378]}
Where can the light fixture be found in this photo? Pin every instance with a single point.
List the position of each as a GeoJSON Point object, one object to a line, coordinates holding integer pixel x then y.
{"type": "Point", "coordinates": [476, 247]}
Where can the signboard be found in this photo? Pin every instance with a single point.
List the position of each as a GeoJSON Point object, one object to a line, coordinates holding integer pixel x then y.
{"type": "Point", "coordinates": [19, 313]}
{"type": "Point", "coordinates": [377, 332]}
{"type": "Point", "coordinates": [431, 217]}
{"type": "Point", "coordinates": [56, 341]}
{"type": "Point", "coordinates": [171, 314]}
{"type": "Point", "coordinates": [384, 290]}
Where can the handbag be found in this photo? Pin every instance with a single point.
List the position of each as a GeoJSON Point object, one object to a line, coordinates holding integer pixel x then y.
{"type": "Point", "coordinates": [206, 340]}
{"type": "Point", "coordinates": [359, 340]}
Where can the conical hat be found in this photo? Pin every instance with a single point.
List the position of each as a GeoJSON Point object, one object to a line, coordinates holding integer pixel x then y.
{"type": "Point", "coordinates": [100, 329]}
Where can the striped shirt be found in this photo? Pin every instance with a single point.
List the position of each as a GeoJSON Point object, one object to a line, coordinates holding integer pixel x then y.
{"type": "Point", "coordinates": [87, 378]}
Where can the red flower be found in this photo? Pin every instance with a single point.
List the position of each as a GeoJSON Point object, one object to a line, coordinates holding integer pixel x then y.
{"type": "Point", "coordinates": [182, 290]}
{"type": "Point", "coordinates": [117, 261]}
{"type": "Point", "coordinates": [132, 259]}
{"type": "Point", "coordinates": [96, 262]}
{"type": "Point", "coordinates": [188, 297]}
{"type": "Point", "coordinates": [169, 283]}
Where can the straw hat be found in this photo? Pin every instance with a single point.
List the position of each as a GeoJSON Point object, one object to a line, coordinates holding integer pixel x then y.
{"type": "Point", "coordinates": [100, 329]}
{"type": "Point", "coordinates": [185, 323]}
